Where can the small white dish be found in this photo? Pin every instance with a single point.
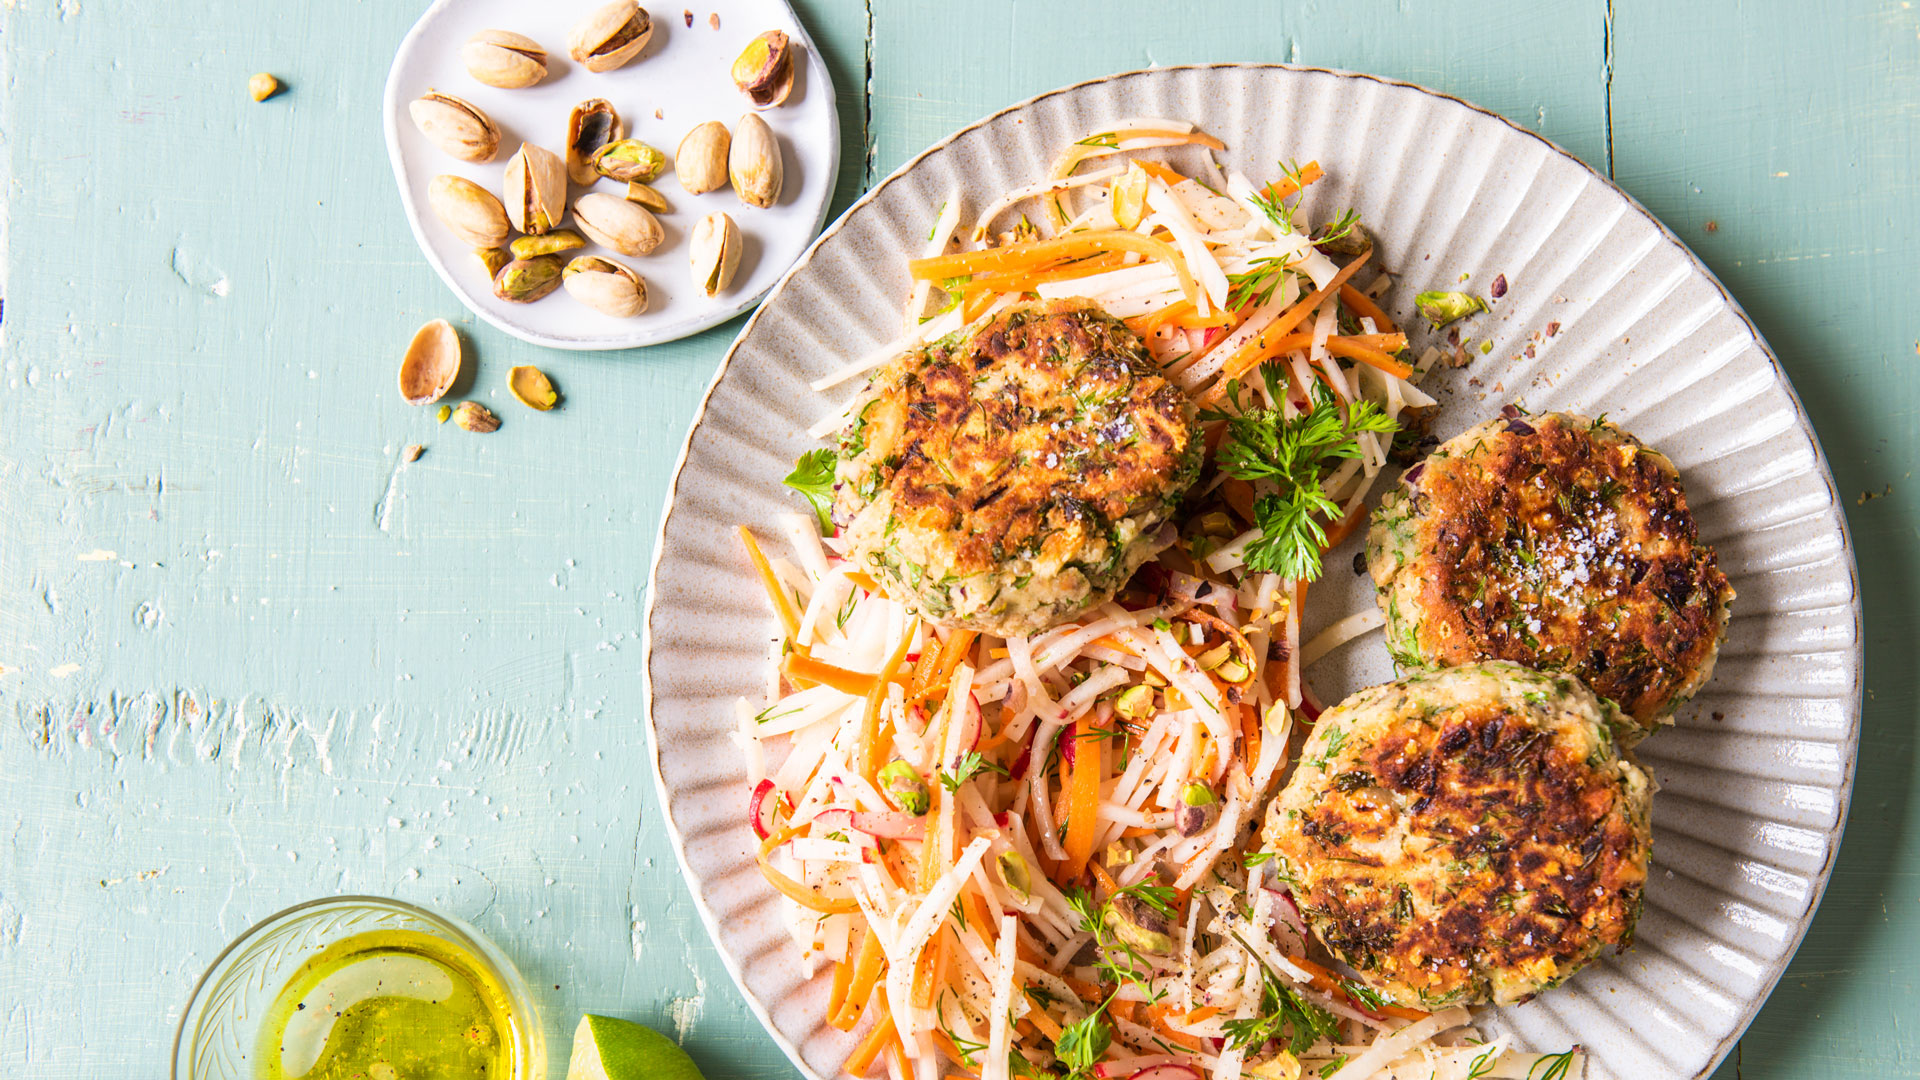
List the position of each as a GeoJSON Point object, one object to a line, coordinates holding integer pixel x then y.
{"type": "Point", "coordinates": [680, 80]}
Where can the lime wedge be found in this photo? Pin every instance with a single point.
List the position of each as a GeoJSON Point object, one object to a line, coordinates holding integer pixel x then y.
{"type": "Point", "coordinates": [605, 1048]}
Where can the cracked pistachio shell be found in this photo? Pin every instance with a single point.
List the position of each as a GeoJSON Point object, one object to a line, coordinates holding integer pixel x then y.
{"type": "Point", "coordinates": [475, 417]}
{"type": "Point", "coordinates": [764, 69]}
{"type": "Point", "coordinates": [613, 222]}
{"type": "Point", "coordinates": [504, 59]}
{"type": "Point", "coordinates": [629, 160]}
{"type": "Point", "coordinates": [468, 210]}
{"type": "Point", "coordinates": [713, 253]}
{"type": "Point", "coordinates": [592, 125]}
{"type": "Point", "coordinates": [606, 286]}
{"type": "Point", "coordinates": [532, 387]}
{"type": "Point", "coordinates": [457, 127]}
{"type": "Point", "coordinates": [528, 247]}
{"type": "Point", "coordinates": [753, 164]}
{"type": "Point", "coordinates": [431, 364]}
{"type": "Point", "coordinates": [610, 36]}
{"type": "Point", "coordinates": [535, 189]}
{"type": "Point", "coordinates": [523, 281]}
{"type": "Point", "coordinates": [701, 160]}
{"type": "Point", "coordinates": [646, 196]}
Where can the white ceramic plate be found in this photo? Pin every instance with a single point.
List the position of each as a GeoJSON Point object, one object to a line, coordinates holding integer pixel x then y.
{"type": "Point", "coordinates": [1756, 773]}
{"type": "Point", "coordinates": [683, 74]}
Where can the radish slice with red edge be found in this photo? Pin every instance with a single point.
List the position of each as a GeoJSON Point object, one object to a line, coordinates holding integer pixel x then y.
{"type": "Point", "coordinates": [890, 825]}
{"type": "Point", "coordinates": [760, 809]}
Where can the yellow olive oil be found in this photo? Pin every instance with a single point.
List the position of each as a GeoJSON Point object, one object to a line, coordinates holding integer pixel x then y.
{"type": "Point", "coordinates": [390, 1005]}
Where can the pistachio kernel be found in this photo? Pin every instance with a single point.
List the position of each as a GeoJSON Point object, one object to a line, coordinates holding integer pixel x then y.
{"type": "Point", "coordinates": [475, 417]}
{"type": "Point", "coordinates": [530, 247]}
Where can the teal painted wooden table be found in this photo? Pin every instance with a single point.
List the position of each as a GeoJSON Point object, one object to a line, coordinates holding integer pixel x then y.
{"type": "Point", "coordinates": [248, 655]}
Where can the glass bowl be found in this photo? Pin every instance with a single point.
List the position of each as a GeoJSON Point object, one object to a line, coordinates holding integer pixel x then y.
{"type": "Point", "coordinates": [221, 1023]}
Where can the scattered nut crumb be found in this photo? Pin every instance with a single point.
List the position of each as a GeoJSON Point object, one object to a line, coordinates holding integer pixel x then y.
{"type": "Point", "coordinates": [263, 86]}
{"type": "Point", "coordinates": [1719, 716]}
{"type": "Point", "coordinates": [1499, 287]}
{"type": "Point", "coordinates": [657, 115]}
{"type": "Point", "coordinates": [1499, 388]}
{"type": "Point", "coordinates": [1553, 328]}
{"type": "Point", "coordinates": [412, 453]}
{"type": "Point", "coordinates": [1713, 226]}
{"type": "Point", "coordinates": [689, 14]}
{"type": "Point", "coordinates": [1868, 496]}
{"type": "Point", "coordinates": [1529, 352]}
{"type": "Point", "coordinates": [713, 20]}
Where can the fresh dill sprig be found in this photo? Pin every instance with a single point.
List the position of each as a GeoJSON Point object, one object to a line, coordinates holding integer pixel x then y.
{"type": "Point", "coordinates": [1553, 1066]}
{"type": "Point", "coordinates": [974, 762]}
{"type": "Point", "coordinates": [1263, 444]}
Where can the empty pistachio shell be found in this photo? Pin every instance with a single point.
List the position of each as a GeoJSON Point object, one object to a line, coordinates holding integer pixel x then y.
{"type": "Point", "coordinates": [753, 164]}
{"type": "Point", "coordinates": [431, 364]}
{"type": "Point", "coordinates": [536, 189]}
{"type": "Point", "coordinates": [493, 259]}
{"type": "Point", "coordinates": [528, 247]}
{"type": "Point", "coordinates": [523, 281]}
{"type": "Point", "coordinates": [469, 210]}
{"type": "Point", "coordinates": [606, 286]}
{"type": "Point", "coordinates": [262, 86]}
{"type": "Point", "coordinates": [532, 387]}
{"type": "Point", "coordinates": [714, 253]}
{"type": "Point", "coordinates": [629, 159]}
{"type": "Point", "coordinates": [701, 160]}
{"type": "Point", "coordinates": [764, 70]}
{"type": "Point", "coordinates": [455, 126]}
{"type": "Point", "coordinates": [592, 125]}
{"type": "Point", "coordinates": [638, 192]}
{"type": "Point", "coordinates": [611, 36]}
{"type": "Point", "coordinates": [474, 416]}
{"type": "Point", "coordinates": [613, 222]}
{"type": "Point", "coordinates": [504, 59]}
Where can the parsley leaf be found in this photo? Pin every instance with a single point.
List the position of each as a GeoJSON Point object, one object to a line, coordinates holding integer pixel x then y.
{"type": "Point", "coordinates": [1283, 1015]}
{"type": "Point", "coordinates": [1262, 444]}
{"type": "Point", "coordinates": [812, 477]}
{"type": "Point", "coordinates": [1084, 1042]}
{"type": "Point", "coordinates": [973, 763]}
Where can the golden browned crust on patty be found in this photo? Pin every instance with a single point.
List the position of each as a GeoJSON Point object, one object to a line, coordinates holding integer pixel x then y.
{"type": "Point", "coordinates": [1558, 542]}
{"type": "Point", "coordinates": [1466, 836]}
{"type": "Point", "coordinates": [1010, 476]}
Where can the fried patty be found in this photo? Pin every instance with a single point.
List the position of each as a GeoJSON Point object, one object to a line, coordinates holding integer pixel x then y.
{"type": "Point", "coordinates": [1558, 542]}
{"type": "Point", "coordinates": [1010, 476]}
{"type": "Point", "coordinates": [1465, 836]}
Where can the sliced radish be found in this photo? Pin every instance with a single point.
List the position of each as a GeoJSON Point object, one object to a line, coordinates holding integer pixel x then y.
{"type": "Point", "coordinates": [1019, 770]}
{"type": "Point", "coordinates": [1069, 741]}
{"type": "Point", "coordinates": [760, 810]}
{"type": "Point", "coordinates": [890, 824]}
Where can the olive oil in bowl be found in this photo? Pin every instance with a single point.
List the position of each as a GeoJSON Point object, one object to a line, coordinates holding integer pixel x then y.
{"type": "Point", "coordinates": [388, 1005]}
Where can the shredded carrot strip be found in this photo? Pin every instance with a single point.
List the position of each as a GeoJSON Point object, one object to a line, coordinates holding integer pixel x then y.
{"type": "Point", "coordinates": [1328, 983]}
{"type": "Point", "coordinates": [863, 579]}
{"type": "Point", "coordinates": [1254, 351]}
{"type": "Point", "coordinates": [837, 996]}
{"type": "Point", "coordinates": [1044, 1021]}
{"type": "Point", "coordinates": [782, 603]}
{"type": "Point", "coordinates": [1038, 253]}
{"type": "Point", "coordinates": [1200, 1014]}
{"type": "Point", "coordinates": [1280, 346]}
{"type": "Point", "coordinates": [792, 889]}
{"type": "Point", "coordinates": [1363, 307]}
{"type": "Point", "coordinates": [1027, 280]}
{"type": "Point", "coordinates": [864, 1054]}
{"type": "Point", "coordinates": [1239, 495]}
{"type": "Point", "coordinates": [1157, 1018]}
{"type": "Point", "coordinates": [1111, 642]}
{"type": "Point", "coordinates": [1105, 879]}
{"type": "Point", "coordinates": [868, 964]}
{"type": "Point", "coordinates": [819, 672]}
{"type": "Point", "coordinates": [1345, 527]}
{"type": "Point", "coordinates": [1366, 354]}
{"type": "Point", "coordinates": [954, 1056]}
{"type": "Point", "coordinates": [1083, 805]}
{"type": "Point", "coordinates": [923, 670]}
{"type": "Point", "coordinates": [931, 971]}
{"type": "Point", "coordinates": [1162, 173]}
{"type": "Point", "coordinates": [1199, 137]}
{"type": "Point", "coordinates": [1126, 1010]}
{"type": "Point", "coordinates": [1287, 189]}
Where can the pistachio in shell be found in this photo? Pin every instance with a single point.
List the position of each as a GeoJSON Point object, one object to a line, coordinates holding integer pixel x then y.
{"type": "Point", "coordinates": [701, 160]}
{"type": "Point", "coordinates": [612, 35]}
{"type": "Point", "coordinates": [535, 189]}
{"type": "Point", "coordinates": [475, 417]}
{"type": "Point", "coordinates": [523, 281]}
{"type": "Point", "coordinates": [492, 259]}
{"type": "Point", "coordinates": [647, 196]}
{"type": "Point", "coordinates": [504, 59]}
{"type": "Point", "coordinates": [592, 125]}
{"type": "Point", "coordinates": [532, 387]}
{"type": "Point", "coordinates": [764, 69]}
{"type": "Point", "coordinates": [606, 286]}
{"type": "Point", "coordinates": [613, 222]}
{"type": "Point", "coordinates": [553, 243]}
{"type": "Point", "coordinates": [431, 364]}
{"type": "Point", "coordinates": [753, 162]}
{"type": "Point", "coordinates": [629, 160]}
{"type": "Point", "coordinates": [457, 127]}
{"type": "Point", "coordinates": [468, 210]}
{"type": "Point", "coordinates": [713, 253]}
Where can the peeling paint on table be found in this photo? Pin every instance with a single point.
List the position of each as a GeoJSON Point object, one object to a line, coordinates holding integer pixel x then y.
{"type": "Point", "coordinates": [250, 654]}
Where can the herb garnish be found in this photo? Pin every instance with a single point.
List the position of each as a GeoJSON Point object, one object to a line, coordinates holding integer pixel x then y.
{"type": "Point", "coordinates": [812, 477]}
{"type": "Point", "coordinates": [972, 763]}
{"type": "Point", "coordinates": [1283, 1014]}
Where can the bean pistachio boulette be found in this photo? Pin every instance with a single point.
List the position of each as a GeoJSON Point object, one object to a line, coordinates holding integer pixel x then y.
{"type": "Point", "coordinates": [1015, 473]}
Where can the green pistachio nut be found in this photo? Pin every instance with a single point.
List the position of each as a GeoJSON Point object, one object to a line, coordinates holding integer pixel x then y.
{"type": "Point", "coordinates": [1016, 875]}
{"type": "Point", "coordinates": [1442, 308]}
{"type": "Point", "coordinates": [523, 281]}
{"type": "Point", "coordinates": [903, 784]}
{"type": "Point", "coordinates": [531, 247]}
{"type": "Point", "coordinates": [629, 160]}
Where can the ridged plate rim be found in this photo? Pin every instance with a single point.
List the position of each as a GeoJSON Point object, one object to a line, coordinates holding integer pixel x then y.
{"type": "Point", "coordinates": [1849, 699]}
